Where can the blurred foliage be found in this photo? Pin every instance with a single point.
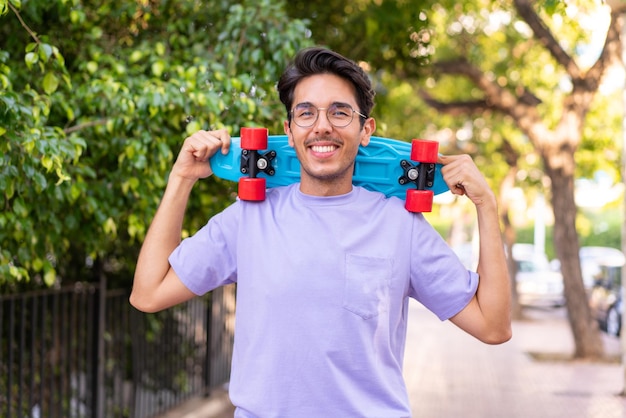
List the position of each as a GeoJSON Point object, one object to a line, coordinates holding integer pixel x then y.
{"type": "Point", "coordinates": [95, 100]}
{"type": "Point", "coordinates": [595, 228]}
{"type": "Point", "coordinates": [383, 34]}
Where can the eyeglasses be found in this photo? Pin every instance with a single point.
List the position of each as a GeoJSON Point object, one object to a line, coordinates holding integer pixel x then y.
{"type": "Point", "coordinates": [338, 114]}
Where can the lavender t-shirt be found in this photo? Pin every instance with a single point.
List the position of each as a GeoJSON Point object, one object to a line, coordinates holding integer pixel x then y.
{"type": "Point", "coordinates": [322, 297]}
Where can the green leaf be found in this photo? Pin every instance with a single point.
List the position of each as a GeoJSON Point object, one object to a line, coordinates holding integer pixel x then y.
{"type": "Point", "coordinates": [160, 48]}
{"type": "Point", "coordinates": [19, 207]}
{"type": "Point", "coordinates": [38, 264]}
{"type": "Point", "coordinates": [50, 83]}
{"type": "Point", "coordinates": [135, 56]}
{"type": "Point", "coordinates": [75, 192]}
{"type": "Point", "coordinates": [47, 162]}
{"type": "Point", "coordinates": [110, 227]}
{"type": "Point", "coordinates": [96, 32]}
{"type": "Point", "coordinates": [40, 181]}
{"type": "Point", "coordinates": [59, 57]}
{"type": "Point", "coordinates": [77, 16]}
{"type": "Point", "coordinates": [50, 277]}
{"type": "Point", "coordinates": [192, 127]}
{"type": "Point", "coordinates": [45, 51]}
{"type": "Point", "coordinates": [31, 58]}
{"type": "Point", "coordinates": [158, 68]}
{"type": "Point", "coordinates": [69, 112]}
{"type": "Point", "coordinates": [92, 67]}
{"type": "Point", "coordinates": [9, 189]}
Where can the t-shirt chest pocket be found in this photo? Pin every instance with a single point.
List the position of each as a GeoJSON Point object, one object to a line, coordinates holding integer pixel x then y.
{"type": "Point", "coordinates": [366, 290]}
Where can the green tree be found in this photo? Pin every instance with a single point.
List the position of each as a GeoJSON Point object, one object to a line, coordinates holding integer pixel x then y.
{"type": "Point", "coordinates": [96, 98]}
{"type": "Point", "coordinates": [523, 84]}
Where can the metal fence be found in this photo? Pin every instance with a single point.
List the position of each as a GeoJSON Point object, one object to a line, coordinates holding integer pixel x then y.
{"type": "Point", "coordinates": [85, 352]}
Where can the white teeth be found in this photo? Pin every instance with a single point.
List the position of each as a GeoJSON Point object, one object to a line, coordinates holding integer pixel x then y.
{"type": "Point", "coordinates": [327, 148]}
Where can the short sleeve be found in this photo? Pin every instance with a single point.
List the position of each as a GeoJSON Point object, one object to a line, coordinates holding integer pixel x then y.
{"type": "Point", "coordinates": [439, 280]}
{"type": "Point", "coordinates": [207, 259]}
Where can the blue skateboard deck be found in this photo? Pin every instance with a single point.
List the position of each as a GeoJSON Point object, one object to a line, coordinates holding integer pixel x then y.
{"type": "Point", "coordinates": [378, 167]}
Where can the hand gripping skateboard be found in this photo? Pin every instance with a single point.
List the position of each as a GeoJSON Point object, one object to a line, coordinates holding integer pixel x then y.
{"type": "Point", "coordinates": [395, 168]}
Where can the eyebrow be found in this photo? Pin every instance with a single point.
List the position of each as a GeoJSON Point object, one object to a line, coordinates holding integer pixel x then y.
{"type": "Point", "coordinates": [332, 104]}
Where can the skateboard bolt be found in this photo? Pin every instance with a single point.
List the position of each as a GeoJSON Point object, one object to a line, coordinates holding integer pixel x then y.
{"type": "Point", "coordinates": [412, 174]}
{"type": "Point", "coordinates": [262, 164]}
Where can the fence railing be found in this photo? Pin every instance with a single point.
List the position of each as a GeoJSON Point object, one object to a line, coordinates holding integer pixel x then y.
{"type": "Point", "coordinates": [85, 352]}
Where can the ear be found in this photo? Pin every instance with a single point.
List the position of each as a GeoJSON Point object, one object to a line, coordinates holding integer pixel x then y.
{"type": "Point", "coordinates": [288, 132]}
{"type": "Point", "coordinates": [366, 132]}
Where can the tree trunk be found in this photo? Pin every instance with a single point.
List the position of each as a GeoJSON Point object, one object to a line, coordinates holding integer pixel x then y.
{"type": "Point", "coordinates": [509, 240]}
{"type": "Point", "coordinates": [511, 157]}
{"type": "Point", "coordinates": [587, 339]}
{"type": "Point", "coordinates": [510, 236]}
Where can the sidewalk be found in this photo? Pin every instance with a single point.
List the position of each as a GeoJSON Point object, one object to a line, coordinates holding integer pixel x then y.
{"type": "Point", "coordinates": [451, 375]}
{"type": "Point", "coordinates": [217, 405]}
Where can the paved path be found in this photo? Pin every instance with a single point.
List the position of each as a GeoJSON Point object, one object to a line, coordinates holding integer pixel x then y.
{"type": "Point", "coordinates": [451, 375]}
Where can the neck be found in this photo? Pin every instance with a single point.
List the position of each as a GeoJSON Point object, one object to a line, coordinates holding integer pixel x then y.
{"type": "Point", "coordinates": [325, 187]}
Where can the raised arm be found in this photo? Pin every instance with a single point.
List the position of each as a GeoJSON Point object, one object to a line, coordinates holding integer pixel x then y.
{"type": "Point", "coordinates": [156, 286]}
{"type": "Point", "coordinates": [488, 315]}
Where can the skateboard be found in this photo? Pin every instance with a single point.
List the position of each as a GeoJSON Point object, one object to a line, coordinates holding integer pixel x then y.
{"type": "Point", "coordinates": [395, 168]}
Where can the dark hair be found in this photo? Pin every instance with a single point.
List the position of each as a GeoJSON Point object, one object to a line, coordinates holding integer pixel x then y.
{"type": "Point", "coordinates": [317, 60]}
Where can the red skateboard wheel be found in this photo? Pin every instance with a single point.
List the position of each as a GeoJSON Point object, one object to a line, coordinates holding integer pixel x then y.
{"type": "Point", "coordinates": [252, 188]}
{"type": "Point", "coordinates": [254, 138]}
{"type": "Point", "coordinates": [419, 200]}
{"type": "Point", "coordinates": [424, 151]}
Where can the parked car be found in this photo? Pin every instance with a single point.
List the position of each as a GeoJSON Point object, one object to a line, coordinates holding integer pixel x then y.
{"type": "Point", "coordinates": [606, 294]}
{"type": "Point", "coordinates": [537, 283]}
{"type": "Point", "coordinates": [592, 258]}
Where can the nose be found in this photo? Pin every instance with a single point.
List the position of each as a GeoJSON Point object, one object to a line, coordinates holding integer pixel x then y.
{"type": "Point", "coordinates": [322, 124]}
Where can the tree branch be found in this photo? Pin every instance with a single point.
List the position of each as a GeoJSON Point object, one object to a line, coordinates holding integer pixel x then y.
{"type": "Point", "coordinates": [24, 25]}
{"type": "Point", "coordinates": [611, 51]}
{"type": "Point", "coordinates": [520, 106]}
{"type": "Point", "coordinates": [544, 35]}
{"type": "Point", "coordinates": [84, 125]}
{"type": "Point", "coordinates": [496, 97]}
{"type": "Point", "coordinates": [456, 108]}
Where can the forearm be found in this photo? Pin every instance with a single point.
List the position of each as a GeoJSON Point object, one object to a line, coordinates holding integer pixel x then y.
{"type": "Point", "coordinates": [162, 238]}
{"type": "Point", "coordinates": [494, 292]}
{"type": "Point", "coordinates": [488, 315]}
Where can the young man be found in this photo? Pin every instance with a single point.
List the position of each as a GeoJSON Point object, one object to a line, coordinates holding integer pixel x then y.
{"type": "Point", "coordinates": [324, 269]}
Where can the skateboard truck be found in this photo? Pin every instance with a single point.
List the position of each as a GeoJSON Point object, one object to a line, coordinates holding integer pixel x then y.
{"type": "Point", "coordinates": [253, 163]}
{"type": "Point", "coordinates": [421, 174]}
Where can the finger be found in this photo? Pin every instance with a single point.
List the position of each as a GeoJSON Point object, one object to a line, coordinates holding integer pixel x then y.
{"type": "Point", "coordinates": [457, 188]}
{"type": "Point", "coordinates": [200, 150]}
{"type": "Point", "coordinates": [224, 139]}
{"type": "Point", "coordinates": [206, 143]}
{"type": "Point", "coordinates": [451, 171]}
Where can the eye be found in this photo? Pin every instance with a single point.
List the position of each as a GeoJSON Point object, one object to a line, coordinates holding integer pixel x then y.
{"type": "Point", "coordinates": [340, 111]}
{"type": "Point", "coordinates": [304, 111]}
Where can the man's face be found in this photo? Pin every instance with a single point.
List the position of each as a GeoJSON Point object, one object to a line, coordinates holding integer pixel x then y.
{"type": "Point", "coordinates": [327, 152]}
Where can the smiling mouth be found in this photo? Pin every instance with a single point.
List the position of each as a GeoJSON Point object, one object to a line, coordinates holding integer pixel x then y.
{"type": "Point", "coordinates": [323, 148]}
